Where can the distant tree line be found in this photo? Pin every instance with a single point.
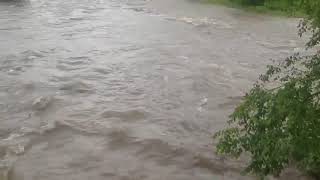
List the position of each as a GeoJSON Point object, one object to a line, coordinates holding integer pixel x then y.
{"type": "Point", "coordinates": [286, 5]}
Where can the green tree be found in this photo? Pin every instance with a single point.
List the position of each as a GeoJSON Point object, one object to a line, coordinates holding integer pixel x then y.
{"type": "Point", "coordinates": [278, 122]}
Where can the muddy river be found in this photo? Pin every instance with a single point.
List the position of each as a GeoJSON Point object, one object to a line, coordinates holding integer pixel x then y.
{"type": "Point", "coordinates": [126, 89]}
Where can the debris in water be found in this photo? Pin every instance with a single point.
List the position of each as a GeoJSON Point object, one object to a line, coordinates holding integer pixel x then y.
{"type": "Point", "coordinates": [41, 103]}
{"type": "Point", "coordinates": [204, 102]}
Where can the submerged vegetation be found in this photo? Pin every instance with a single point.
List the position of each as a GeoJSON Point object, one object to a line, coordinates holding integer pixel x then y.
{"type": "Point", "coordinates": [278, 123]}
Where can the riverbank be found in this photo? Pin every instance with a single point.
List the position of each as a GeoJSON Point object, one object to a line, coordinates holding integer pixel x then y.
{"type": "Point", "coordinates": [261, 9]}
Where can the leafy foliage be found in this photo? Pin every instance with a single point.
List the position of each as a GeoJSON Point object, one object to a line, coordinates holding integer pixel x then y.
{"type": "Point", "coordinates": [278, 123]}
{"type": "Point", "coordinates": [290, 6]}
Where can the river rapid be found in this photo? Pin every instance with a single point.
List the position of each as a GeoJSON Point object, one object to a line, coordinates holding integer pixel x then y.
{"type": "Point", "coordinates": [127, 89]}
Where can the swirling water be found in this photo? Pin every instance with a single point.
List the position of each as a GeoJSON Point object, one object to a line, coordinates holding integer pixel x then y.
{"type": "Point", "coordinates": [126, 89]}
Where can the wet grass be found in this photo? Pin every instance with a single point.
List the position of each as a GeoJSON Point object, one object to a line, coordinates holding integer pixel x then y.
{"type": "Point", "coordinates": [273, 11]}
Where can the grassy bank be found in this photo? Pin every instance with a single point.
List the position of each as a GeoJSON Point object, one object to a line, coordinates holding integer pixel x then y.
{"type": "Point", "coordinates": [276, 8]}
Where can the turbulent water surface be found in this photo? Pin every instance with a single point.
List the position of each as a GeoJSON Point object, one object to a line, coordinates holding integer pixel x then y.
{"type": "Point", "coordinates": [126, 89]}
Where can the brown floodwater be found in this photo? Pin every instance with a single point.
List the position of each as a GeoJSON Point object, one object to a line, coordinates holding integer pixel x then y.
{"type": "Point", "coordinates": [126, 89]}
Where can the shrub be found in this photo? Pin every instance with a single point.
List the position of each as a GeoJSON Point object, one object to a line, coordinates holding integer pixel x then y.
{"type": "Point", "coordinates": [278, 123]}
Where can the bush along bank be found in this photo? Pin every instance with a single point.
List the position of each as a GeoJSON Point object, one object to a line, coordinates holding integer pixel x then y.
{"type": "Point", "coordinates": [279, 127]}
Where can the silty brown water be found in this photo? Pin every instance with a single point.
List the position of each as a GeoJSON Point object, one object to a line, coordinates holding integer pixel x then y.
{"type": "Point", "coordinates": [126, 89]}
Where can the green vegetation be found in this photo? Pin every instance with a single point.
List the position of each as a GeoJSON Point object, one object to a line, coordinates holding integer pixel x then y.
{"type": "Point", "coordinates": [274, 7]}
{"type": "Point", "coordinates": [278, 123]}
